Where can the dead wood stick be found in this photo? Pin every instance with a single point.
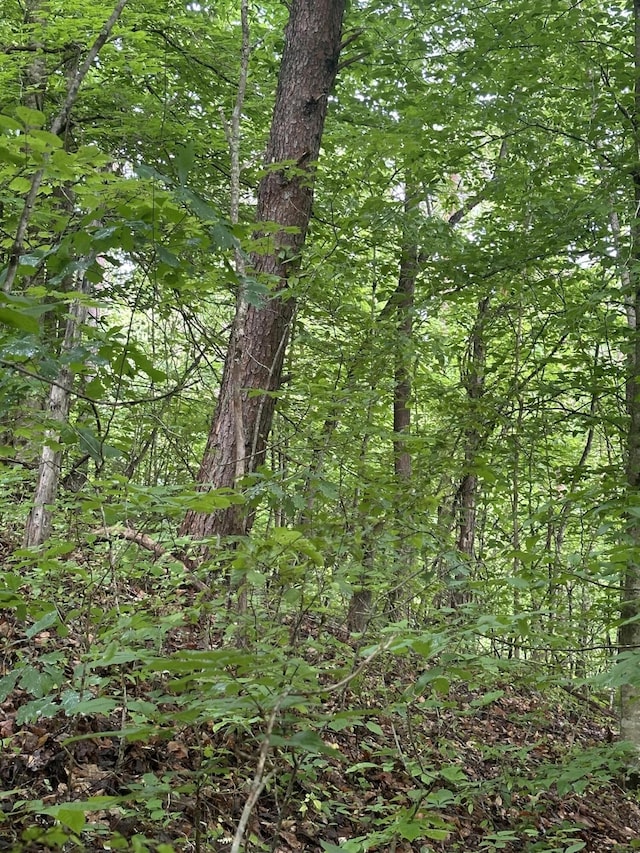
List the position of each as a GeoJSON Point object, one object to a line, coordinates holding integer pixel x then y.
{"type": "Point", "coordinates": [145, 541]}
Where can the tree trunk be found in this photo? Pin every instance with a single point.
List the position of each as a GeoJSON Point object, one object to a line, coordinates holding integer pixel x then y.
{"type": "Point", "coordinates": [404, 355]}
{"type": "Point", "coordinates": [57, 125]}
{"type": "Point", "coordinates": [629, 635]}
{"type": "Point", "coordinates": [467, 496]}
{"type": "Point", "coordinates": [38, 526]}
{"type": "Point", "coordinates": [404, 350]}
{"type": "Point", "coordinates": [260, 333]}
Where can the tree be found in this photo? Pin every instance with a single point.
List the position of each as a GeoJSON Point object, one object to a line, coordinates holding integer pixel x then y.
{"type": "Point", "coordinates": [253, 365]}
{"type": "Point", "coordinates": [630, 611]}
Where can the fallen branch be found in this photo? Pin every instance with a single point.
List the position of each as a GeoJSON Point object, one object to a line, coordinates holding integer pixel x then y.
{"type": "Point", "coordinates": [149, 544]}
{"type": "Point", "coordinates": [597, 707]}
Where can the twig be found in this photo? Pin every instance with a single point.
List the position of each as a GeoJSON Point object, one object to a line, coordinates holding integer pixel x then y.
{"type": "Point", "coordinates": [115, 404]}
{"type": "Point", "coordinates": [333, 688]}
{"type": "Point", "coordinates": [591, 703]}
{"type": "Point", "coordinates": [259, 781]}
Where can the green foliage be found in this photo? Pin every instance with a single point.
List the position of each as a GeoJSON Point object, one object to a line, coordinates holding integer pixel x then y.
{"type": "Point", "coordinates": [512, 126]}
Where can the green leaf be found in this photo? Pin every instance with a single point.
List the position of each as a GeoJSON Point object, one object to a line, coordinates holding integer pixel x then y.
{"type": "Point", "coordinates": [46, 139]}
{"type": "Point", "coordinates": [9, 154]}
{"type": "Point", "coordinates": [73, 818]}
{"type": "Point", "coordinates": [38, 709]}
{"type": "Point", "coordinates": [69, 701]}
{"type": "Point", "coordinates": [145, 364]}
{"type": "Point", "coordinates": [9, 124]}
{"type": "Point", "coordinates": [486, 698]}
{"type": "Point", "coordinates": [441, 685]}
{"type": "Point", "coordinates": [168, 257]}
{"type": "Point", "coordinates": [310, 741]}
{"type": "Point", "coordinates": [35, 681]}
{"type": "Point", "coordinates": [202, 209]}
{"type": "Point", "coordinates": [255, 292]}
{"type": "Point", "coordinates": [46, 621]}
{"type": "Point", "coordinates": [352, 846]}
{"type": "Point", "coordinates": [7, 683]}
{"type": "Point", "coordinates": [19, 320]}
{"type": "Point", "coordinates": [212, 500]}
{"type": "Point", "coordinates": [99, 705]}
{"type": "Point", "coordinates": [20, 185]}
{"type": "Point", "coordinates": [517, 582]}
{"type": "Point", "coordinates": [436, 834]}
{"type": "Point", "coordinates": [409, 829]}
{"type": "Point", "coordinates": [29, 117]}
{"type": "Point", "coordinates": [90, 443]}
{"type": "Point", "coordinates": [185, 157]}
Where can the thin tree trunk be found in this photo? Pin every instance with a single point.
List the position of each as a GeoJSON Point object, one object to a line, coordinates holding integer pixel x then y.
{"type": "Point", "coordinates": [58, 403]}
{"type": "Point", "coordinates": [35, 76]}
{"type": "Point", "coordinates": [260, 334]}
{"type": "Point", "coordinates": [38, 526]}
{"type": "Point", "coordinates": [361, 603]}
{"type": "Point", "coordinates": [629, 635]}
{"type": "Point", "coordinates": [404, 354]}
{"type": "Point", "coordinates": [514, 651]}
{"type": "Point", "coordinates": [467, 495]}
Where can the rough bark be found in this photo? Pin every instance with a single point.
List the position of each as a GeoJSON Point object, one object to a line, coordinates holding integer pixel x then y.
{"type": "Point", "coordinates": [361, 602]}
{"type": "Point", "coordinates": [260, 334]}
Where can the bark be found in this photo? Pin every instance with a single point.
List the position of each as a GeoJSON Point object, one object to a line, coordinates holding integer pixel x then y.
{"type": "Point", "coordinates": [361, 602]}
{"type": "Point", "coordinates": [260, 334]}
{"type": "Point", "coordinates": [629, 634]}
{"type": "Point", "coordinates": [38, 526]}
{"type": "Point", "coordinates": [35, 76]}
{"type": "Point", "coordinates": [57, 406]}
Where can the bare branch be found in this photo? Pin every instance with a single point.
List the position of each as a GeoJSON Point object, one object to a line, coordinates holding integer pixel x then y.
{"type": "Point", "coordinates": [259, 780]}
{"type": "Point", "coordinates": [145, 541]}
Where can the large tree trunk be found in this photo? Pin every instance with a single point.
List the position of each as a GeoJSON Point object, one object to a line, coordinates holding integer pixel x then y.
{"type": "Point", "coordinates": [260, 333]}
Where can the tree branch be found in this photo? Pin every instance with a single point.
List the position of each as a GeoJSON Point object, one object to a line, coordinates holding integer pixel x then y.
{"type": "Point", "coordinates": [56, 126]}
{"type": "Point", "coordinates": [106, 534]}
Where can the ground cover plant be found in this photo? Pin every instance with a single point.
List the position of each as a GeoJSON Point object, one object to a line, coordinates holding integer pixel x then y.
{"type": "Point", "coordinates": [132, 719]}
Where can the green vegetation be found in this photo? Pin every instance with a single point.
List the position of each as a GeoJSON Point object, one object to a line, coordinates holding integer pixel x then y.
{"type": "Point", "coordinates": [319, 426]}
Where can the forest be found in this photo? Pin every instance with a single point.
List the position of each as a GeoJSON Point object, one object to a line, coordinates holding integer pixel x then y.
{"type": "Point", "coordinates": [320, 426]}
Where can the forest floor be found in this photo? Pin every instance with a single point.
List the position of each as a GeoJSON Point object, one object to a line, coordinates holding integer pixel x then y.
{"type": "Point", "coordinates": [370, 763]}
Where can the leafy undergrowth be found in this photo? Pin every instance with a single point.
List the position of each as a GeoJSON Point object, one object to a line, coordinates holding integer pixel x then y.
{"type": "Point", "coordinates": [138, 725]}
